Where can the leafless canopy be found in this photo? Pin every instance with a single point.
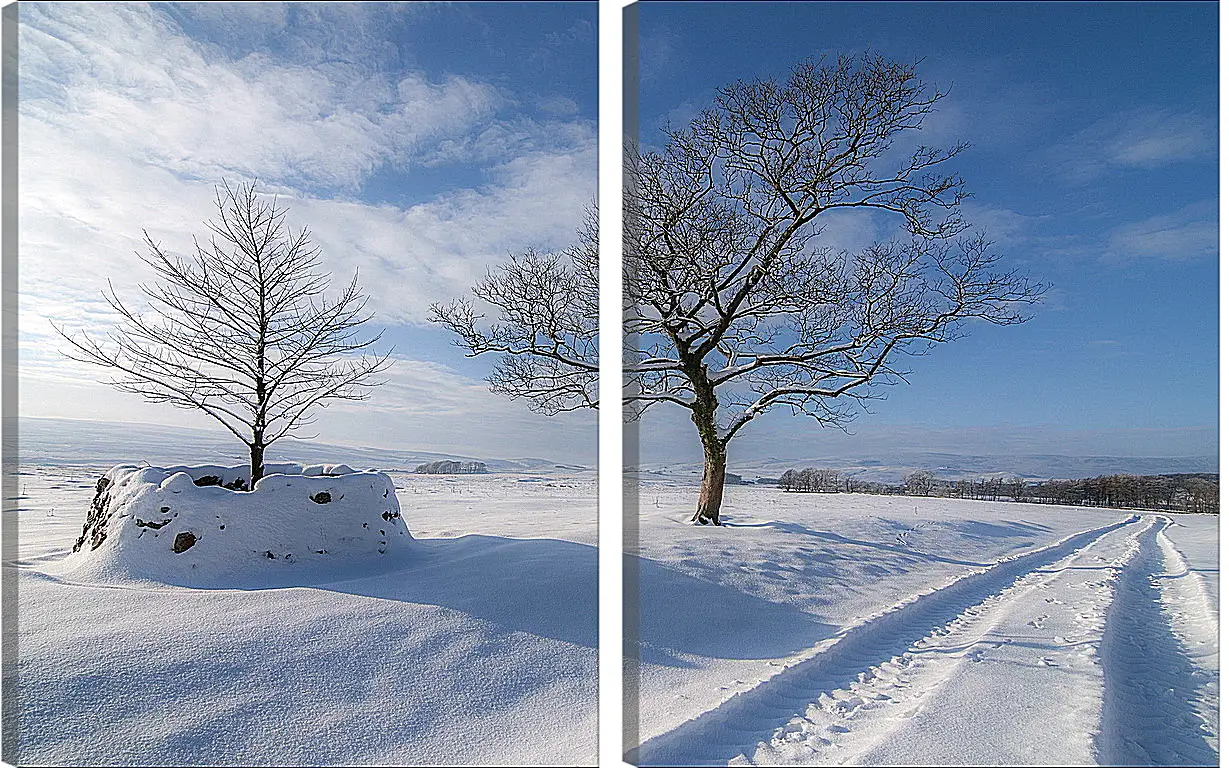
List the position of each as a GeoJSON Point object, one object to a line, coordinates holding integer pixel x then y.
{"type": "Point", "coordinates": [736, 304]}
{"type": "Point", "coordinates": [241, 328]}
{"type": "Point", "coordinates": [545, 326]}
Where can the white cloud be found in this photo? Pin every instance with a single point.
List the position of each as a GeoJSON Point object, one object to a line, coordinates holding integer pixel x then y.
{"type": "Point", "coordinates": [307, 33]}
{"type": "Point", "coordinates": [560, 106]}
{"type": "Point", "coordinates": [121, 76]}
{"type": "Point", "coordinates": [1186, 234]}
{"type": "Point", "coordinates": [1004, 226]}
{"type": "Point", "coordinates": [657, 54]}
{"type": "Point", "coordinates": [1141, 138]}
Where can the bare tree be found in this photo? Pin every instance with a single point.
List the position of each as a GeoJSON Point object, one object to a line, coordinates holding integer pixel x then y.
{"type": "Point", "coordinates": [734, 302]}
{"type": "Point", "coordinates": [240, 329]}
{"type": "Point", "coordinates": [545, 328]}
{"type": "Point", "coordinates": [920, 483]}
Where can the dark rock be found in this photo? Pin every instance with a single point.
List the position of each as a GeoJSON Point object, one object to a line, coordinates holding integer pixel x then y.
{"type": "Point", "coordinates": [321, 498]}
{"type": "Point", "coordinates": [95, 528]}
{"type": "Point", "coordinates": [204, 480]}
{"type": "Point", "coordinates": [183, 542]}
{"type": "Point", "coordinates": [390, 515]}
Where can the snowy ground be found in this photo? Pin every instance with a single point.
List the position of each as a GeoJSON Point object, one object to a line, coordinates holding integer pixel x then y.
{"type": "Point", "coordinates": [826, 629]}
{"type": "Point", "coordinates": [461, 656]}
{"type": "Point", "coordinates": [812, 629]}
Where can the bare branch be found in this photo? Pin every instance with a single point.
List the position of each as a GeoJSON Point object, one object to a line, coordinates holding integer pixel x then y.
{"type": "Point", "coordinates": [545, 325]}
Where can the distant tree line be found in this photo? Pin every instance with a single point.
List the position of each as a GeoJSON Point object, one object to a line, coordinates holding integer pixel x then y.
{"type": "Point", "coordinates": [1174, 493]}
{"type": "Point", "coordinates": [447, 467]}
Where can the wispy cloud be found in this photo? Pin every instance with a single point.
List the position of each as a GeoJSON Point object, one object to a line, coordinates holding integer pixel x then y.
{"type": "Point", "coordinates": [1140, 138]}
{"type": "Point", "coordinates": [1006, 227]}
{"type": "Point", "coordinates": [1183, 235]}
{"type": "Point", "coordinates": [307, 34]}
{"type": "Point", "coordinates": [124, 78]}
{"type": "Point", "coordinates": [658, 53]}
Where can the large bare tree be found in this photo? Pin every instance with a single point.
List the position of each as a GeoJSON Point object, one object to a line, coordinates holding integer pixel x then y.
{"type": "Point", "coordinates": [735, 301]}
{"type": "Point", "coordinates": [544, 327]}
{"type": "Point", "coordinates": [241, 329]}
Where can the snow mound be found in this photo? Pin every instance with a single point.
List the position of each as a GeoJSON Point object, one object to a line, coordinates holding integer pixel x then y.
{"type": "Point", "coordinates": [315, 470]}
{"type": "Point", "coordinates": [196, 526]}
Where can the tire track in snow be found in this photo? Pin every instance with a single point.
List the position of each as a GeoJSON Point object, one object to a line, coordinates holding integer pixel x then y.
{"type": "Point", "coordinates": [1196, 622]}
{"type": "Point", "coordinates": [739, 724]}
{"type": "Point", "coordinates": [1013, 680]}
{"type": "Point", "coordinates": [1153, 690]}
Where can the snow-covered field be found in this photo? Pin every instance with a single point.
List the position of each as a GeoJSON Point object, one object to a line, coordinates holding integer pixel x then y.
{"type": "Point", "coordinates": [463, 653]}
{"type": "Point", "coordinates": [813, 629]}
{"type": "Point", "coordinates": [825, 629]}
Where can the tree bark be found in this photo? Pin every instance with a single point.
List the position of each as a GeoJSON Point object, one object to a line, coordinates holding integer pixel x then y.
{"type": "Point", "coordinates": [704, 416]}
{"type": "Point", "coordinates": [258, 463]}
{"type": "Point", "coordinates": [712, 486]}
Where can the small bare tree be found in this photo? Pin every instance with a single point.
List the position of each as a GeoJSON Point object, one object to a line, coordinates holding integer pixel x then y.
{"type": "Point", "coordinates": [240, 329]}
{"type": "Point", "coordinates": [545, 327]}
{"type": "Point", "coordinates": [734, 303]}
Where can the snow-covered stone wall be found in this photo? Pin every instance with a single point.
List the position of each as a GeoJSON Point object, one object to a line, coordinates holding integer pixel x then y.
{"type": "Point", "coordinates": [189, 526]}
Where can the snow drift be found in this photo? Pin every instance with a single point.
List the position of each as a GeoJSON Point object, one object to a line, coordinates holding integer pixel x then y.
{"type": "Point", "coordinates": [198, 526]}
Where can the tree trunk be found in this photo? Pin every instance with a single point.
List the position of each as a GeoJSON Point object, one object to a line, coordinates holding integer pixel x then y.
{"type": "Point", "coordinates": [712, 486]}
{"type": "Point", "coordinates": [258, 463]}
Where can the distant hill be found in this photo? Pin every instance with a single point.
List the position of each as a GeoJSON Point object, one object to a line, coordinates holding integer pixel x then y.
{"type": "Point", "coordinates": [950, 466]}
{"type": "Point", "coordinates": [69, 441]}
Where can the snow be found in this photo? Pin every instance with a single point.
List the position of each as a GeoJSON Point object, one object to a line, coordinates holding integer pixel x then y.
{"type": "Point", "coordinates": [156, 524]}
{"type": "Point", "coordinates": [457, 650]}
{"type": "Point", "coordinates": [839, 628]}
{"type": "Point", "coordinates": [812, 629]}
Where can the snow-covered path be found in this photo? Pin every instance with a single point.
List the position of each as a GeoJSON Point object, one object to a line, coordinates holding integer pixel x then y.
{"type": "Point", "coordinates": [1097, 649]}
{"type": "Point", "coordinates": [1159, 656]}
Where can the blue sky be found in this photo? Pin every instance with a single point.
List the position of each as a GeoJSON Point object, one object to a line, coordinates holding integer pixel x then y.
{"type": "Point", "coordinates": [1093, 165]}
{"type": "Point", "coordinates": [421, 144]}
